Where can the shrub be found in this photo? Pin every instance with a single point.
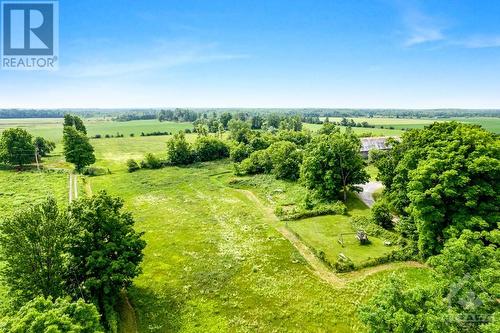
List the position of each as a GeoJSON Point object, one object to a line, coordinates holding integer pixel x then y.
{"type": "Point", "coordinates": [151, 162]}
{"type": "Point", "coordinates": [258, 162]}
{"type": "Point", "coordinates": [132, 165]}
{"type": "Point", "coordinates": [94, 171]}
{"type": "Point", "coordinates": [238, 152]}
{"type": "Point", "coordinates": [209, 148]}
{"type": "Point", "coordinates": [344, 264]}
{"type": "Point", "coordinates": [381, 215]}
{"type": "Point", "coordinates": [179, 151]}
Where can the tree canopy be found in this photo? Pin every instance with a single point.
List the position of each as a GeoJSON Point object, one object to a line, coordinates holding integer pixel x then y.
{"type": "Point", "coordinates": [445, 178]}
{"type": "Point", "coordinates": [59, 316]}
{"type": "Point", "coordinates": [77, 148]}
{"type": "Point", "coordinates": [333, 164]}
{"type": "Point", "coordinates": [16, 147]}
{"type": "Point", "coordinates": [33, 249]}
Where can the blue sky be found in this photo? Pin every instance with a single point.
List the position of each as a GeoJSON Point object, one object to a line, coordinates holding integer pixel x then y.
{"type": "Point", "coordinates": [359, 54]}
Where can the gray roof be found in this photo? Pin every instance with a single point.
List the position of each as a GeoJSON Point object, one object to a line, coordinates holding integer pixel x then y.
{"type": "Point", "coordinates": [379, 143]}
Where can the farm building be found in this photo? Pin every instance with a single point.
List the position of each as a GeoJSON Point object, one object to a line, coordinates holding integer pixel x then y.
{"type": "Point", "coordinates": [376, 143]}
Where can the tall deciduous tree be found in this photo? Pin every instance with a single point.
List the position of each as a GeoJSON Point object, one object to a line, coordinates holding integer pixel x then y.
{"type": "Point", "coordinates": [333, 164]}
{"type": "Point", "coordinates": [105, 250]}
{"type": "Point", "coordinates": [33, 248]}
{"type": "Point", "coordinates": [445, 178]}
{"type": "Point", "coordinates": [76, 122]}
{"type": "Point", "coordinates": [77, 148]}
{"type": "Point", "coordinates": [43, 146]}
{"type": "Point", "coordinates": [16, 147]}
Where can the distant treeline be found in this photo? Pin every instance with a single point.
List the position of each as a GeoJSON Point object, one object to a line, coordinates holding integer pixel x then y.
{"type": "Point", "coordinates": [191, 115]}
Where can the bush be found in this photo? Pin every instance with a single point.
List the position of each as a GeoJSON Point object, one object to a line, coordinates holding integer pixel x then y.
{"type": "Point", "coordinates": [238, 152]}
{"type": "Point", "coordinates": [132, 165]}
{"type": "Point", "coordinates": [94, 171]}
{"type": "Point", "coordinates": [258, 162]}
{"type": "Point", "coordinates": [381, 215]}
{"type": "Point", "coordinates": [209, 149]}
{"type": "Point", "coordinates": [344, 264]}
{"type": "Point", "coordinates": [179, 151]}
{"type": "Point", "coordinates": [286, 159]}
{"type": "Point", "coordinates": [151, 162]}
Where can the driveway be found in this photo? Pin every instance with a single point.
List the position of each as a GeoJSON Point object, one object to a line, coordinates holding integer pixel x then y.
{"type": "Point", "coordinates": [368, 189]}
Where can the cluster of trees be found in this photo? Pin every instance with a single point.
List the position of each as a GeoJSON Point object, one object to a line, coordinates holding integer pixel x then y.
{"type": "Point", "coordinates": [76, 146]}
{"type": "Point", "coordinates": [443, 182]}
{"type": "Point", "coordinates": [18, 147]}
{"type": "Point", "coordinates": [178, 115]}
{"type": "Point", "coordinates": [65, 267]}
{"type": "Point", "coordinates": [328, 164]}
{"type": "Point", "coordinates": [181, 152]}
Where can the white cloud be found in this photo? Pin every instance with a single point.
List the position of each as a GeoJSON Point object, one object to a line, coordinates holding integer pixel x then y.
{"type": "Point", "coordinates": [126, 60]}
{"type": "Point", "coordinates": [477, 42]}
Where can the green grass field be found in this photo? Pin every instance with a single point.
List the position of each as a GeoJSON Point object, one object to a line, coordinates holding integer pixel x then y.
{"type": "Point", "coordinates": [488, 123]}
{"type": "Point", "coordinates": [52, 128]}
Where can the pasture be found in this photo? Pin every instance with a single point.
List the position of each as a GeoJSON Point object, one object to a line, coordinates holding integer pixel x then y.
{"type": "Point", "coordinates": [489, 123]}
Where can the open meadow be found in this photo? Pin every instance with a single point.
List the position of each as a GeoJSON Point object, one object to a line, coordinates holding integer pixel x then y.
{"type": "Point", "coordinates": [215, 259]}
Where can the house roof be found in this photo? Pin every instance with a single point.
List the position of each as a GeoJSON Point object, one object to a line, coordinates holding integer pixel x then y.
{"type": "Point", "coordinates": [379, 143]}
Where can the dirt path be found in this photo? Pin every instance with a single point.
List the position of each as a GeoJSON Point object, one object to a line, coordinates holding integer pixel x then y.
{"type": "Point", "coordinates": [73, 187]}
{"type": "Point", "coordinates": [368, 189]}
{"type": "Point", "coordinates": [70, 190]}
{"type": "Point", "coordinates": [316, 266]}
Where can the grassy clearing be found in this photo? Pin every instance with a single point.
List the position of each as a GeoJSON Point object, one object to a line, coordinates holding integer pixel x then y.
{"type": "Point", "coordinates": [323, 233]}
{"type": "Point", "coordinates": [20, 188]}
{"type": "Point", "coordinates": [212, 264]}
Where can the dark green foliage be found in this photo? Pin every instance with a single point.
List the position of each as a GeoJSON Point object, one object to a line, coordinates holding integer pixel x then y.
{"type": "Point", "coordinates": [43, 315]}
{"type": "Point", "coordinates": [16, 147]}
{"type": "Point", "coordinates": [328, 128]}
{"type": "Point", "coordinates": [301, 138]}
{"type": "Point", "coordinates": [179, 151]}
{"type": "Point", "coordinates": [77, 148]}
{"type": "Point", "coordinates": [33, 245]}
{"type": "Point", "coordinates": [463, 297]}
{"type": "Point", "coordinates": [151, 162]}
{"type": "Point", "coordinates": [258, 162]}
{"type": "Point", "coordinates": [333, 164]}
{"type": "Point", "coordinates": [446, 177]}
{"type": "Point", "coordinates": [260, 142]}
{"type": "Point", "coordinates": [240, 131]}
{"type": "Point", "coordinates": [43, 146]}
{"type": "Point", "coordinates": [105, 250]}
{"type": "Point", "coordinates": [132, 165]}
{"type": "Point", "coordinates": [286, 159]}
{"type": "Point", "coordinates": [381, 214]}
{"type": "Point", "coordinates": [343, 264]}
{"type": "Point", "coordinates": [210, 148]}
{"type": "Point", "coordinates": [238, 152]}
{"type": "Point", "coordinates": [76, 122]}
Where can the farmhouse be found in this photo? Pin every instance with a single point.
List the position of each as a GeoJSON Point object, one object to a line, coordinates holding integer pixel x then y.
{"type": "Point", "coordinates": [378, 143]}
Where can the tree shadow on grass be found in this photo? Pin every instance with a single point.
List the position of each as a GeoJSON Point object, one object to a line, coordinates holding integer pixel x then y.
{"type": "Point", "coordinates": [156, 311]}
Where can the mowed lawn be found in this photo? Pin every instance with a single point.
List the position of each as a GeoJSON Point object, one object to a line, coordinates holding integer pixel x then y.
{"type": "Point", "coordinates": [213, 262]}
